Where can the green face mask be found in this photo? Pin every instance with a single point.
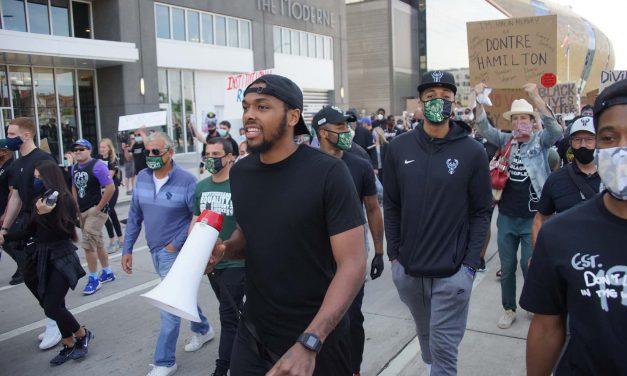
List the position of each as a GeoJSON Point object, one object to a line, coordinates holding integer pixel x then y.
{"type": "Point", "coordinates": [437, 110]}
{"type": "Point", "coordinates": [155, 162]}
{"type": "Point", "coordinates": [344, 140]}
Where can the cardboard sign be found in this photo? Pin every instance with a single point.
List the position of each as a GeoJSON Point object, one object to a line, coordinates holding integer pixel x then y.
{"type": "Point", "coordinates": [506, 54]}
{"type": "Point", "coordinates": [609, 77]}
{"type": "Point", "coordinates": [234, 94]}
{"type": "Point", "coordinates": [502, 102]}
{"type": "Point", "coordinates": [562, 98]}
{"type": "Point", "coordinates": [148, 119]}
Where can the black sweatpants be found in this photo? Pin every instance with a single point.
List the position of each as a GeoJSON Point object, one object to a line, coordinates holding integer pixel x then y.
{"type": "Point", "coordinates": [112, 221]}
{"type": "Point", "coordinates": [333, 359]}
{"type": "Point", "coordinates": [234, 281]}
{"type": "Point", "coordinates": [53, 301]}
{"type": "Point", "coordinates": [357, 335]}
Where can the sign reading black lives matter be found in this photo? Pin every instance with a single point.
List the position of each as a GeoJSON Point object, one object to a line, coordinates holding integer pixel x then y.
{"type": "Point", "coordinates": [506, 54]}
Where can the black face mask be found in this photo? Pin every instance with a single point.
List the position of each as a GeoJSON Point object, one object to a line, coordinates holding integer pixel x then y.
{"type": "Point", "coordinates": [583, 155]}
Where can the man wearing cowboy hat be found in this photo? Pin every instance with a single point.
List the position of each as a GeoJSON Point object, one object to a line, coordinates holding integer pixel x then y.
{"type": "Point", "coordinates": [528, 169]}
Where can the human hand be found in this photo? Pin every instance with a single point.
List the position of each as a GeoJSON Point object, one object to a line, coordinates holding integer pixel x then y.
{"type": "Point", "coordinates": [376, 267]}
{"type": "Point", "coordinates": [42, 208]}
{"type": "Point", "coordinates": [532, 90]}
{"type": "Point", "coordinates": [296, 361]}
{"type": "Point", "coordinates": [127, 263]}
{"type": "Point", "coordinates": [479, 88]}
{"type": "Point", "coordinates": [216, 255]}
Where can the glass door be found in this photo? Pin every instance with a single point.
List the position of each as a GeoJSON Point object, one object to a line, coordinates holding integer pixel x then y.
{"type": "Point", "coordinates": [4, 120]}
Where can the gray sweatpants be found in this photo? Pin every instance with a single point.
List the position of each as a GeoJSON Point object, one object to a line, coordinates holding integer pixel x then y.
{"type": "Point", "coordinates": [439, 307]}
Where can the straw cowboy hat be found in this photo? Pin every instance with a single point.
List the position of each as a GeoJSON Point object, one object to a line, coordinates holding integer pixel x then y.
{"type": "Point", "coordinates": [521, 106]}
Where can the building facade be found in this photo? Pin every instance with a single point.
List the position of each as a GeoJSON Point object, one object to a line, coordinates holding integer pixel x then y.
{"type": "Point", "coordinates": [123, 57]}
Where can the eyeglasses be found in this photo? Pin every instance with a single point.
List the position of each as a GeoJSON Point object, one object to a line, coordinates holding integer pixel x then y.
{"type": "Point", "coordinates": [155, 152]}
{"type": "Point", "coordinates": [583, 140]}
{"type": "Point", "coordinates": [78, 150]}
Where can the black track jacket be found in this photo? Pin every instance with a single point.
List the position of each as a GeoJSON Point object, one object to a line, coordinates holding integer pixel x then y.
{"type": "Point", "coordinates": [437, 201]}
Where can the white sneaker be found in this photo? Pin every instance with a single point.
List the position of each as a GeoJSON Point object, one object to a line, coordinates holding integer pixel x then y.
{"type": "Point", "coordinates": [197, 340]}
{"type": "Point", "coordinates": [163, 371]}
{"type": "Point", "coordinates": [51, 336]}
{"type": "Point", "coordinates": [507, 319]}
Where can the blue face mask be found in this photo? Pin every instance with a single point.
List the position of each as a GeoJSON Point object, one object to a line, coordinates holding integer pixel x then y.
{"type": "Point", "coordinates": [38, 186]}
{"type": "Point", "coordinates": [222, 132]}
{"type": "Point", "coordinates": [14, 143]}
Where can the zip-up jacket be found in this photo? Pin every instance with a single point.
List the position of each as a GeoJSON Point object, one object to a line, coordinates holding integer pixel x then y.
{"type": "Point", "coordinates": [437, 201]}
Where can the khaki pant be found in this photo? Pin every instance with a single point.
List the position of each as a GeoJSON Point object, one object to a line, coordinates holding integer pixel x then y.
{"type": "Point", "coordinates": [92, 222]}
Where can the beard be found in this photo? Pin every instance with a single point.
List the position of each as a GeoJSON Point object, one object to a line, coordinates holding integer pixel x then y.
{"type": "Point", "coordinates": [266, 145]}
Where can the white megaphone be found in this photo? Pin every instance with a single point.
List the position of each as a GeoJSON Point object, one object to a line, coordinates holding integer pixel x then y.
{"type": "Point", "coordinates": [178, 292]}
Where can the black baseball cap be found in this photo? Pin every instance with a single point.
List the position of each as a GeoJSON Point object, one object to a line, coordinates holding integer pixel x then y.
{"type": "Point", "coordinates": [613, 95]}
{"type": "Point", "coordinates": [284, 89]}
{"type": "Point", "coordinates": [331, 115]}
{"type": "Point", "coordinates": [437, 78]}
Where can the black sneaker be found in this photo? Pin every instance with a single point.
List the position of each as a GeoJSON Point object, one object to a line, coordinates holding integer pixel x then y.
{"type": "Point", "coordinates": [17, 278]}
{"type": "Point", "coordinates": [82, 345]}
{"type": "Point", "coordinates": [63, 356]}
{"type": "Point", "coordinates": [481, 267]}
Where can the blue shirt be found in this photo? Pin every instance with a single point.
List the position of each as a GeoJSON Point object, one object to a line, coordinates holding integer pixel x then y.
{"type": "Point", "coordinates": [166, 214]}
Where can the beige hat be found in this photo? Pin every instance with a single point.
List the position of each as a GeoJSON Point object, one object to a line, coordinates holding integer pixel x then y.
{"type": "Point", "coordinates": [521, 106]}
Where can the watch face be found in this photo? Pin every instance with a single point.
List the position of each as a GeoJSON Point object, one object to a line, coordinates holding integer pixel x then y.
{"type": "Point", "coordinates": [311, 341]}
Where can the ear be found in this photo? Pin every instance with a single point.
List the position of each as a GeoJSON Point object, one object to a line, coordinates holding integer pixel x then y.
{"type": "Point", "coordinates": [293, 117]}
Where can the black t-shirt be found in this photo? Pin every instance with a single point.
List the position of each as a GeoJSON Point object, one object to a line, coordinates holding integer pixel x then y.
{"type": "Point", "coordinates": [139, 157]}
{"type": "Point", "coordinates": [88, 188]}
{"type": "Point", "coordinates": [560, 192]}
{"type": "Point", "coordinates": [4, 184]}
{"type": "Point", "coordinates": [21, 175]}
{"type": "Point", "coordinates": [288, 211]}
{"type": "Point", "coordinates": [579, 268]}
{"type": "Point", "coordinates": [363, 137]}
{"type": "Point", "coordinates": [113, 166]}
{"type": "Point", "coordinates": [519, 199]}
{"type": "Point", "coordinates": [362, 173]}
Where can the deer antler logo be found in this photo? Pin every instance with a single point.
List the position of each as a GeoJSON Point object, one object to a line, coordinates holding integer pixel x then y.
{"type": "Point", "coordinates": [437, 76]}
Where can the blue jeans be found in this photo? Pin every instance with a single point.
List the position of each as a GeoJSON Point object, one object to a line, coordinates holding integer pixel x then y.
{"type": "Point", "coordinates": [165, 352]}
{"type": "Point", "coordinates": [512, 231]}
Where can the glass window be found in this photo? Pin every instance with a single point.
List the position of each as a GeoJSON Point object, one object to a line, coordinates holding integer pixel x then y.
{"type": "Point", "coordinates": [220, 31]}
{"type": "Point", "coordinates": [38, 17]}
{"type": "Point", "coordinates": [13, 15]}
{"type": "Point", "coordinates": [80, 17]}
{"type": "Point", "coordinates": [178, 24]}
{"type": "Point", "coordinates": [319, 47]}
{"type": "Point", "coordinates": [193, 27]}
{"type": "Point", "coordinates": [60, 17]}
{"type": "Point", "coordinates": [328, 48]}
{"type": "Point", "coordinates": [87, 101]}
{"type": "Point", "coordinates": [233, 38]}
{"type": "Point", "coordinates": [163, 21]}
{"type": "Point", "coordinates": [244, 34]}
{"type": "Point", "coordinates": [47, 109]}
{"type": "Point", "coordinates": [21, 91]}
{"type": "Point", "coordinates": [188, 95]}
{"type": "Point", "coordinates": [67, 105]}
{"type": "Point", "coordinates": [207, 28]}
{"type": "Point", "coordinates": [163, 86]}
{"type": "Point", "coordinates": [276, 36]}
{"type": "Point", "coordinates": [285, 41]}
{"type": "Point", "coordinates": [5, 99]}
{"type": "Point", "coordinates": [295, 42]}
{"type": "Point", "coordinates": [176, 101]}
{"type": "Point", "coordinates": [303, 44]}
{"type": "Point", "coordinates": [311, 40]}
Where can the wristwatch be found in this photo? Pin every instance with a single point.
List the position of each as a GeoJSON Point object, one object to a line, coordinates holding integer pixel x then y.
{"type": "Point", "coordinates": [311, 342]}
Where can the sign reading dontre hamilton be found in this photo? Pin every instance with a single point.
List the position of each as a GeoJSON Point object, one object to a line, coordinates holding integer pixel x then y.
{"type": "Point", "coordinates": [298, 10]}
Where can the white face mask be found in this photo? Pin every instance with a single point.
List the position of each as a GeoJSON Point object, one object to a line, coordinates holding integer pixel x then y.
{"type": "Point", "coordinates": [612, 168]}
{"type": "Point", "coordinates": [379, 117]}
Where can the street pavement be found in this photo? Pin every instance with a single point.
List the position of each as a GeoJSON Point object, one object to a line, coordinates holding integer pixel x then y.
{"type": "Point", "coordinates": [126, 326]}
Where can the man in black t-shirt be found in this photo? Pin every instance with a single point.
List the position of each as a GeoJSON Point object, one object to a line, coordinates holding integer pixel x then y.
{"type": "Point", "coordinates": [138, 150]}
{"type": "Point", "coordinates": [579, 266]}
{"type": "Point", "coordinates": [332, 130]}
{"type": "Point", "coordinates": [304, 240]}
{"type": "Point", "coordinates": [575, 182]}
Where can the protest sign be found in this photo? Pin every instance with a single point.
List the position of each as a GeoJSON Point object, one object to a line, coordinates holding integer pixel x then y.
{"type": "Point", "coordinates": [506, 54]}
{"type": "Point", "coordinates": [562, 98]}
{"type": "Point", "coordinates": [148, 119]}
{"type": "Point", "coordinates": [609, 77]}
{"type": "Point", "coordinates": [234, 94]}
{"type": "Point", "coordinates": [501, 102]}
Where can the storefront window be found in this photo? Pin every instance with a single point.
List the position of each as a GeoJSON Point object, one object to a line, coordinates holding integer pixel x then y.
{"type": "Point", "coordinates": [207, 28]}
{"type": "Point", "coordinates": [67, 105]}
{"type": "Point", "coordinates": [220, 31]}
{"type": "Point", "coordinates": [47, 110]}
{"type": "Point", "coordinates": [13, 15]}
{"type": "Point", "coordinates": [176, 107]}
{"type": "Point", "coordinates": [163, 21]}
{"type": "Point", "coordinates": [193, 27]}
{"type": "Point", "coordinates": [60, 18]}
{"type": "Point", "coordinates": [5, 99]}
{"type": "Point", "coordinates": [190, 100]}
{"type": "Point", "coordinates": [87, 103]}
{"type": "Point", "coordinates": [163, 86]}
{"type": "Point", "coordinates": [21, 91]}
{"type": "Point", "coordinates": [178, 24]}
{"type": "Point", "coordinates": [38, 16]}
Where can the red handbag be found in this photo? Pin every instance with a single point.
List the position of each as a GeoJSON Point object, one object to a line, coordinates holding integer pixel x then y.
{"type": "Point", "coordinates": [499, 171]}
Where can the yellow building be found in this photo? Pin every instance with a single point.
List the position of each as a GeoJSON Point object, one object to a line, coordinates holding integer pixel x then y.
{"type": "Point", "coordinates": [584, 52]}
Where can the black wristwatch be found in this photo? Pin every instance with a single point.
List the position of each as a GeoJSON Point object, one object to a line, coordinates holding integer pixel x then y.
{"type": "Point", "coordinates": [311, 342]}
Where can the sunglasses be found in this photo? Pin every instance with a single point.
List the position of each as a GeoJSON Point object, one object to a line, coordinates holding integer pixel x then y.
{"type": "Point", "coordinates": [155, 152]}
{"type": "Point", "coordinates": [78, 150]}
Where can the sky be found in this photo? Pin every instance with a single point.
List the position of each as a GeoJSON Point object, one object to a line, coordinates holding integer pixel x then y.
{"type": "Point", "coordinates": [446, 27]}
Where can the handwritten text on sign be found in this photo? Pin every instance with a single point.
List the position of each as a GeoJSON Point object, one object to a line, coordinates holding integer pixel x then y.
{"type": "Point", "coordinates": [609, 77]}
{"type": "Point", "coordinates": [562, 98]}
{"type": "Point", "coordinates": [506, 54]}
